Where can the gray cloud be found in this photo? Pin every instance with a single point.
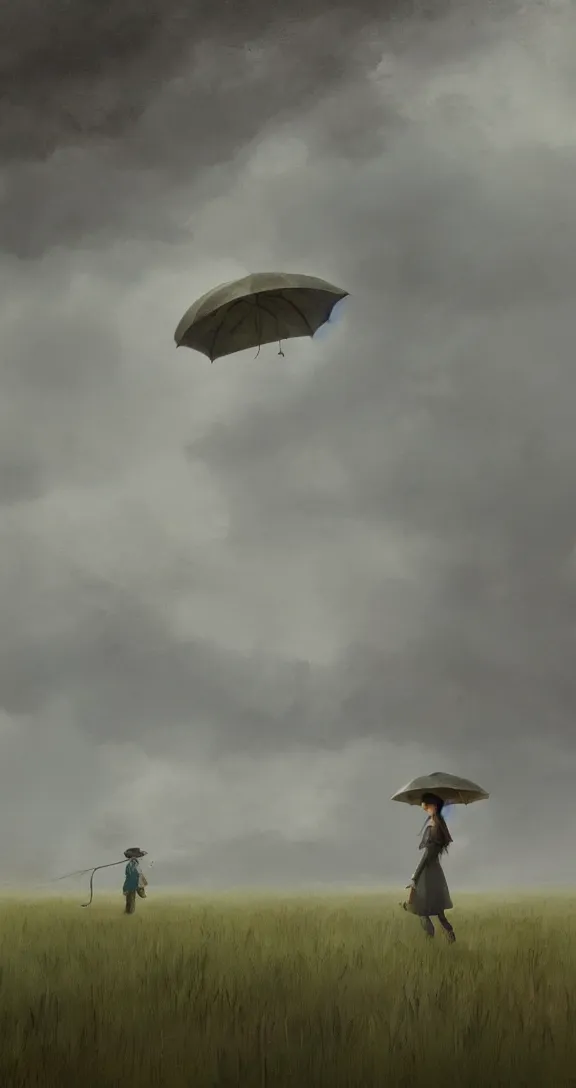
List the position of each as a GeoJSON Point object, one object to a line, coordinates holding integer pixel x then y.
{"type": "Point", "coordinates": [104, 109]}
{"type": "Point", "coordinates": [243, 603]}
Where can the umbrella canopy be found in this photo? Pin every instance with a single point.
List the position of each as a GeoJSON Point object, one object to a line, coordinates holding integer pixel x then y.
{"type": "Point", "coordinates": [264, 308]}
{"type": "Point", "coordinates": [449, 787]}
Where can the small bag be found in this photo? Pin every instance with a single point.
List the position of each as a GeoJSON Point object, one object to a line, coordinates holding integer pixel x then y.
{"type": "Point", "coordinates": [409, 904]}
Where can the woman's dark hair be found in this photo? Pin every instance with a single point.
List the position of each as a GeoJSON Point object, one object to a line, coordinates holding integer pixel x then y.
{"type": "Point", "coordinates": [433, 799]}
{"type": "Point", "coordinates": [439, 821]}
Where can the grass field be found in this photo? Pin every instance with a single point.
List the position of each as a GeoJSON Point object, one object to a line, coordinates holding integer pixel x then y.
{"type": "Point", "coordinates": [298, 992]}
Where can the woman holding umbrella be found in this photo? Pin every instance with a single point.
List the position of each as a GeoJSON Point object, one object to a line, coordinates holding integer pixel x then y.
{"type": "Point", "coordinates": [429, 894]}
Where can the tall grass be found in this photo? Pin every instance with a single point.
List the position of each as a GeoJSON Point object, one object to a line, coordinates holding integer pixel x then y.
{"type": "Point", "coordinates": [299, 992]}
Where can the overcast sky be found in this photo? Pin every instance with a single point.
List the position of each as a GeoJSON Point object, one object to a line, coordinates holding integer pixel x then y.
{"type": "Point", "coordinates": [242, 604]}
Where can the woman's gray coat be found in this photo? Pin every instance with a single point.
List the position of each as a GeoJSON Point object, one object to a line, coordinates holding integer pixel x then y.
{"type": "Point", "coordinates": [431, 895]}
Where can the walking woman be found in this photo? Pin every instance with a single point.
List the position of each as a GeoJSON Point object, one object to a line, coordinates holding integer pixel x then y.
{"type": "Point", "coordinates": [135, 882]}
{"type": "Point", "coordinates": [429, 895]}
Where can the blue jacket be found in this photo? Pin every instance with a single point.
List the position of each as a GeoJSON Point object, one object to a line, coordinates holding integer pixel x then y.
{"type": "Point", "coordinates": [132, 876]}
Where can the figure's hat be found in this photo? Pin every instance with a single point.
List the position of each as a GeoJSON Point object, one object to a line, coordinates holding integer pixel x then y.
{"type": "Point", "coordinates": [135, 852]}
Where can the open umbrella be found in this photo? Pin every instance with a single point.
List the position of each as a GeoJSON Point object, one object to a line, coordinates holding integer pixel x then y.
{"type": "Point", "coordinates": [449, 787]}
{"type": "Point", "coordinates": [264, 308]}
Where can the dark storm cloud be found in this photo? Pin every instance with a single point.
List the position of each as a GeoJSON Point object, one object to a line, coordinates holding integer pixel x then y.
{"type": "Point", "coordinates": [74, 72]}
{"type": "Point", "coordinates": [149, 96]}
{"type": "Point", "coordinates": [104, 107]}
{"type": "Point", "coordinates": [90, 69]}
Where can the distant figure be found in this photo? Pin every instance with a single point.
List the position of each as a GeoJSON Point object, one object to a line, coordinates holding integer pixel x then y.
{"type": "Point", "coordinates": [429, 894]}
{"type": "Point", "coordinates": [135, 882]}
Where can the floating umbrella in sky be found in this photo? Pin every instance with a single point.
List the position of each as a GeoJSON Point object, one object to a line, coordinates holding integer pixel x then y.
{"type": "Point", "coordinates": [263, 308]}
